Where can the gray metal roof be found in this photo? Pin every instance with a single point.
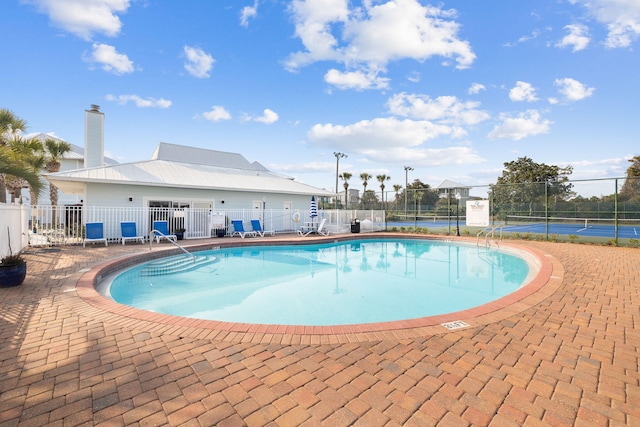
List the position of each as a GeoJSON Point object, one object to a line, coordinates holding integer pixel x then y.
{"type": "Point", "coordinates": [201, 156]}
{"type": "Point", "coordinates": [166, 173]}
{"type": "Point", "coordinates": [447, 183]}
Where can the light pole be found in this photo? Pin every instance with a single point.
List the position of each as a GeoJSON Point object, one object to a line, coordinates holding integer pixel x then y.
{"type": "Point", "coordinates": [406, 186]}
{"type": "Point", "coordinates": [457, 213]}
{"type": "Point", "coordinates": [338, 156]}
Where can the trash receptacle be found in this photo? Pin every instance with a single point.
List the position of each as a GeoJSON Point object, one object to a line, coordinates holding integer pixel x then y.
{"type": "Point", "coordinates": [355, 225]}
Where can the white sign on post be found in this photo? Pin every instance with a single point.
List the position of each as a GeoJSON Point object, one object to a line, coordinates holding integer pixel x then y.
{"type": "Point", "coordinates": [477, 213]}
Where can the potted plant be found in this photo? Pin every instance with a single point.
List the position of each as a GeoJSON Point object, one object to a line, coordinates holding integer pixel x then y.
{"type": "Point", "coordinates": [13, 268]}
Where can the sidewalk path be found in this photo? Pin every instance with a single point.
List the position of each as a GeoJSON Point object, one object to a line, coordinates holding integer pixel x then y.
{"type": "Point", "coordinates": [570, 359]}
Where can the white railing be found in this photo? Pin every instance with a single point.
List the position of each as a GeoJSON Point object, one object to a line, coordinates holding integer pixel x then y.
{"type": "Point", "coordinates": [14, 220]}
{"type": "Point", "coordinates": [48, 225]}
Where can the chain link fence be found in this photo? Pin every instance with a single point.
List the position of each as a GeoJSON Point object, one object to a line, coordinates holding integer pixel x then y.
{"type": "Point", "coordinates": [597, 211]}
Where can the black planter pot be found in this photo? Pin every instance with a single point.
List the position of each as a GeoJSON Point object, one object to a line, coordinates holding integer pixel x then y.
{"type": "Point", "coordinates": [12, 275]}
{"type": "Point", "coordinates": [179, 235]}
{"type": "Point", "coordinates": [220, 232]}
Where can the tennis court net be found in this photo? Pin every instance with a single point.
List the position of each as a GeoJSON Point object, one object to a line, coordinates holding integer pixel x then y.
{"type": "Point", "coordinates": [574, 223]}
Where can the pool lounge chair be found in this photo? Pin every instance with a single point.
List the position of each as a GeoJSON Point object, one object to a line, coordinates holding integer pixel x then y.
{"type": "Point", "coordinates": [129, 232]}
{"type": "Point", "coordinates": [161, 231]}
{"type": "Point", "coordinates": [321, 229]}
{"type": "Point", "coordinates": [238, 229]}
{"type": "Point", "coordinates": [257, 228]}
{"type": "Point", "coordinates": [94, 232]}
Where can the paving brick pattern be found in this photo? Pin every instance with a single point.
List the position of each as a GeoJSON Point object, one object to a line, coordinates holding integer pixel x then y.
{"type": "Point", "coordinates": [570, 359]}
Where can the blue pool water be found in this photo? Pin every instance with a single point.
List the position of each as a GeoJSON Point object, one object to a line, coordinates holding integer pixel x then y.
{"type": "Point", "coordinates": [353, 282]}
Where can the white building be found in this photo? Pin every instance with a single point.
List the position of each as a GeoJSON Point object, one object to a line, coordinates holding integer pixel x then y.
{"type": "Point", "coordinates": [178, 175]}
{"type": "Point", "coordinates": [448, 187]}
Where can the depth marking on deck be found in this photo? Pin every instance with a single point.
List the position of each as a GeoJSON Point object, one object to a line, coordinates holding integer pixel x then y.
{"type": "Point", "coordinates": [457, 324]}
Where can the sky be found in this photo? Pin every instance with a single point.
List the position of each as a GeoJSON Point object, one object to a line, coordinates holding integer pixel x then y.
{"type": "Point", "coordinates": [451, 89]}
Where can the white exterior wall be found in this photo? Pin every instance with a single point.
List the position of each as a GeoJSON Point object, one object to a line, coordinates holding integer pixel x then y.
{"type": "Point", "coordinates": [118, 195]}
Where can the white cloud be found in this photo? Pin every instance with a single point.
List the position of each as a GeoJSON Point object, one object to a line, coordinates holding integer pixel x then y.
{"type": "Point", "coordinates": [534, 35]}
{"type": "Point", "coordinates": [139, 101]}
{"type": "Point", "coordinates": [476, 88]}
{"type": "Point", "coordinates": [268, 117]}
{"type": "Point", "coordinates": [524, 124]}
{"type": "Point", "coordinates": [83, 17]}
{"type": "Point", "coordinates": [578, 37]}
{"type": "Point", "coordinates": [370, 36]}
{"type": "Point", "coordinates": [443, 109]}
{"type": "Point", "coordinates": [110, 59]}
{"type": "Point", "coordinates": [621, 17]}
{"type": "Point", "coordinates": [573, 90]}
{"type": "Point", "coordinates": [216, 114]}
{"type": "Point", "coordinates": [248, 12]}
{"type": "Point", "coordinates": [523, 91]}
{"type": "Point", "coordinates": [199, 63]}
{"type": "Point", "coordinates": [392, 141]}
{"type": "Point", "coordinates": [355, 80]}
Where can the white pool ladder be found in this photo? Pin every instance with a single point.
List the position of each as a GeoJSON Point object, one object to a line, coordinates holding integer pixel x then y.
{"type": "Point", "coordinates": [489, 236]}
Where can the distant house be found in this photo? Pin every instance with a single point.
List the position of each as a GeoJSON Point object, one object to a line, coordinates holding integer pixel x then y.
{"type": "Point", "coordinates": [70, 161]}
{"type": "Point", "coordinates": [448, 187]}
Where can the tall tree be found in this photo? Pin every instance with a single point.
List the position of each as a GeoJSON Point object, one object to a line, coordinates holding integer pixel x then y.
{"type": "Point", "coordinates": [526, 182]}
{"type": "Point", "coordinates": [346, 176]}
{"type": "Point", "coordinates": [421, 194]}
{"type": "Point", "coordinates": [396, 189]}
{"type": "Point", "coordinates": [10, 127]}
{"type": "Point", "coordinates": [365, 177]}
{"type": "Point", "coordinates": [382, 179]}
{"type": "Point", "coordinates": [56, 149]}
{"type": "Point", "coordinates": [630, 190]}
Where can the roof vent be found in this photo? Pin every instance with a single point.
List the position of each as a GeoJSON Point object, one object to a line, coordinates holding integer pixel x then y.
{"type": "Point", "coordinates": [95, 107]}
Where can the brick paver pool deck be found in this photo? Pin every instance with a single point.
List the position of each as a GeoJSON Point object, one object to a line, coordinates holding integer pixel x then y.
{"type": "Point", "coordinates": [568, 354]}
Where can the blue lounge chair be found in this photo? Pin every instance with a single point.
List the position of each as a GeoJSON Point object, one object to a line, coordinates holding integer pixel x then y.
{"type": "Point", "coordinates": [94, 232]}
{"type": "Point", "coordinates": [129, 232]}
{"type": "Point", "coordinates": [161, 231]}
{"type": "Point", "coordinates": [238, 228]}
{"type": "Point", "coordinates": [255, 224]}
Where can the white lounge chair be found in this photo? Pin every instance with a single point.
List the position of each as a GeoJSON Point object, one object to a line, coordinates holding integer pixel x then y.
{"type": "Point", "coordinates": [321, 229]}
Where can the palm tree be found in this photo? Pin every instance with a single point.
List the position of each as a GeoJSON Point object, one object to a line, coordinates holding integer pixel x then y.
{"type": "Point", "coordinates": [346, 176]}
{"type": "Point", "coordinates": [397, 188]}
{"type": "Point", "coordinates": [29, 152]}
{"type": "Point", "coordinates": [381, 179]}
{"type": "Point", "coordinates": [10, 127]}
{"type": "Point", "coordinates": [365, 177]}
{"type": "Point", "coordinates": [10, 165]}
{"type": "Point", "coordinates": [56, 149]}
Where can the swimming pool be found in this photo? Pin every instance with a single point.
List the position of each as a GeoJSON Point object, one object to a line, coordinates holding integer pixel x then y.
{"type": "Point", "coordinates": [338, 283]}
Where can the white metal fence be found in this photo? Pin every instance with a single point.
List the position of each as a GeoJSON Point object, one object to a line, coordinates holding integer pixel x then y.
{"type": "Point", "coordinates": [14, 223]}
{"type": "Point", "coordinates": [48, 225]}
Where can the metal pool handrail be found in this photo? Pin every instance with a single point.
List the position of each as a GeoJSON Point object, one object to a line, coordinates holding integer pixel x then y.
{"type": "Point", "coordinates": [154, 232]}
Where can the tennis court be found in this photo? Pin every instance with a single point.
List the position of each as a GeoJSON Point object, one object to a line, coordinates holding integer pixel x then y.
{"type": "Point", "coordinates": [594, 227]}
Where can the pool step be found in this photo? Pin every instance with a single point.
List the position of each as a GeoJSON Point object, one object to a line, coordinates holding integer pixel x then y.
{"type": "Point", "coordinates": [162, 267]}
